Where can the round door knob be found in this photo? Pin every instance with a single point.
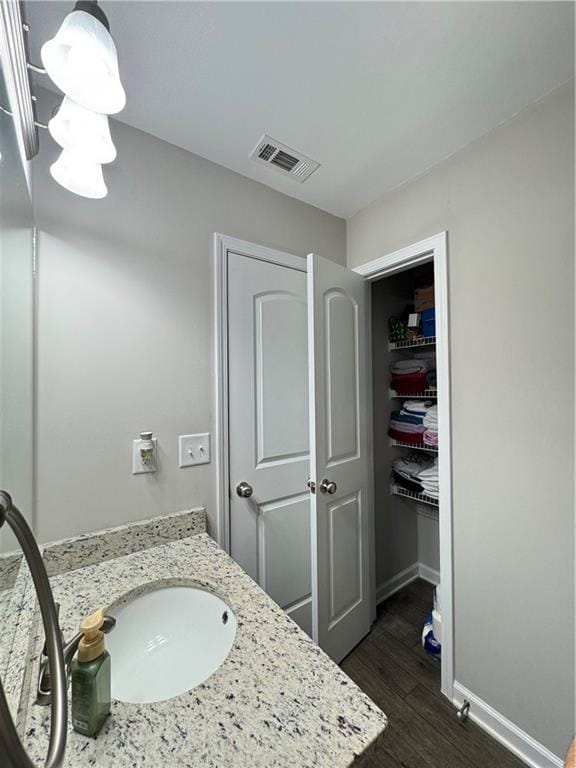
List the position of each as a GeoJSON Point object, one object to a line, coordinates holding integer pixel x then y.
{"type": "Point", "coordinates": [244, 490]}
{"type": "Point", "coordinates": [327, 486]}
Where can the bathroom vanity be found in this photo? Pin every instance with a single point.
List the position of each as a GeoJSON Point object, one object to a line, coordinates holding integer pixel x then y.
{"type": "Point", "coordinates": [275, 700]}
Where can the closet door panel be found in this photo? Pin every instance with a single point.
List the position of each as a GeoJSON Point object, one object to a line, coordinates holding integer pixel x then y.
{"type": "Point", "coordinates": [339, 456]}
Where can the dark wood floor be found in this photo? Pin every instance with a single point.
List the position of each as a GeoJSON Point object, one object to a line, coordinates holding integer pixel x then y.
{"type": "Point", "coordinates": [392, 668]}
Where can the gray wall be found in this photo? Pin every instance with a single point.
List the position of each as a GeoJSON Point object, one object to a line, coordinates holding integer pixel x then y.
{"type": "Point", "coordinates": [428, 539]}
{"type": "Point", "coordinates": [396, 534]}
{"type": "Point", "coordinates": [125, 322]}
{"type": "Point", "coordinates": [16, 329]}
{"type": "Point", "coordinates": [507, 202]}
{"type": "Point", "coordinates": [16, 372]}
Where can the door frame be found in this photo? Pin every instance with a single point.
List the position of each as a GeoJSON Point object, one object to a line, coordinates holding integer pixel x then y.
{"type": "Point", "coordinates": [434, 249]}
{"type": "Point", "coordinates": [223, 245]}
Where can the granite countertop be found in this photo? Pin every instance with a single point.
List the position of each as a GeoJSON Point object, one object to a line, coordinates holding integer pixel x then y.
{"type": "Point", "coordinates": [276, 701]}
{"type": "Point", "coordinates": [9, 570]}
{"type": "Point", "coordinates": [17, 638]}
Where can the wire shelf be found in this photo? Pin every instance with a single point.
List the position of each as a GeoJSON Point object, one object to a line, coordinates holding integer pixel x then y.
{"type": "Point", "coordinates": [423, 341]}
{"type": "Point", "coordinates": [415, 446]}
{"type": "Point", "coordinates": [397, 490]}
{"type": "Point", "coordinates": [428, 394]}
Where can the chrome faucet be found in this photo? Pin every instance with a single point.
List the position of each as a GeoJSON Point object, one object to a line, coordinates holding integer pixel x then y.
{"type": "Point", "coordinates": [13, 753]}
{"type": "Point", "coordinates": [44, 690]}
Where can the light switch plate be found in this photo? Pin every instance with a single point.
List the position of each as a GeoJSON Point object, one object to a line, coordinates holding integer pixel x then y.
{"type": "Point", "coordinates": [138, 466]}
{"type": "Point", "coordinates": [194, 449]}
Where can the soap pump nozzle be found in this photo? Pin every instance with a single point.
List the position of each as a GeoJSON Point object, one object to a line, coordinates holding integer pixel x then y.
{"type": "Point", "coordinates": [91, 644]}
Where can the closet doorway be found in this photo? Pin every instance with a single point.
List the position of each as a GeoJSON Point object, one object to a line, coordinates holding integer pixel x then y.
{"type": "Point", "coordinates": [410, 395]}
{"type": "Point", "coordinates": [332, 591]}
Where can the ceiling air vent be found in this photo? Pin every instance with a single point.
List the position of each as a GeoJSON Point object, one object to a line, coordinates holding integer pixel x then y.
{"type": "Point", "coordinates": [274, 154]}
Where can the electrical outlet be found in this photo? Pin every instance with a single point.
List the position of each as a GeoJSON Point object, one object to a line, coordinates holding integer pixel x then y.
{"type": "Point", "coordinates": [138, 466]}
{"type": "Point", "coordinates": [194, 449]}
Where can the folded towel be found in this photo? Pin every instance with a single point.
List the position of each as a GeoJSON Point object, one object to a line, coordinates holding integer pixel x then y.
{"type": "Point", "coordinates": [408, 418]}
{"type": "Point", "coordinates": [406, 482]}
{"type": "Point", "coordinates": [408, 472]}
{"type": "Point", "coordinates": [415, 418]}
{"type": "Point", "coordinates": [417, 472]}
{"type": "Point", "coordinates": [413, 463]}
{"type": "Point", "coordinates": [409, 384]}
{"type": "Point", "coordinates": [403, 367]}
{"type": "Point", "coordinates": [402, 426]}
{"type": "Point", "coordinates": [430, 437]}
{"type": "Point", "coordinates": [415, 438]}
{"type": "Point", "coordinates": [430, 474]}
{"type": "Point", "coordinates": [416, 407]}
{"type": "Point", "coordinates": [431, 418]}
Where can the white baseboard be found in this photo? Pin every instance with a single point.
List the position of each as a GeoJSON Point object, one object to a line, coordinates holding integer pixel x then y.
{"type": "Point", "coordinates": [396, 583]}
{"type": "Point", "coordinates": [507, 733]}
{"type": "Point", "coordinates": [405, 577]}
{"type": "Point", "coordinates": [428, 574]}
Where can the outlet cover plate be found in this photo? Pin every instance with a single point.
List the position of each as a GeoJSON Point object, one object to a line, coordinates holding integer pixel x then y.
{"type": "Point", "coordinates": [194, 449]}
{"type": "Point", "coordinates": [138, 466]}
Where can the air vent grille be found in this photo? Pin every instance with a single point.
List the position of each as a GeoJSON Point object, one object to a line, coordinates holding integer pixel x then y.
{"type": "Point", "coordinates": [284, 159]}
{"type": "Point", "coordinates": [267, 151]}
{"type": "Point", "coordinates": [304, 169]}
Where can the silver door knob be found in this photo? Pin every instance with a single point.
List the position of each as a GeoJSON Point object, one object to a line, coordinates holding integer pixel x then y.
{"type": "Point", "coordinates": [312, 485]}
{"type": "Point", "coordinates": [327, 486]}
{"type": "Point", "coordinates": [244, 490]}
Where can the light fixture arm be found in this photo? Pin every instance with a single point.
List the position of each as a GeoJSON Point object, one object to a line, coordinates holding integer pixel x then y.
{"type": "Point", "coordinates": [35, 68]}
{"type": "Point", "coordinates": [36, 123]}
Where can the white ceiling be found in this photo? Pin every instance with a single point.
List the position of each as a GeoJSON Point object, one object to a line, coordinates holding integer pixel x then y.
{"type": "Point", "coordinates": [377, 92]}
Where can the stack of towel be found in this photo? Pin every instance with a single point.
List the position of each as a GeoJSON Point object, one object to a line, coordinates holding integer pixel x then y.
{"type": "Point", "coordinates": [429, 480]}
{"type": "Point", "coordinates": [409, 424]}
{"type": "Point", "coordinates": [417, 407]}
{"type": "Point", "coordinates": [430, 435]}
{"type": "Point", "coordinates": [409, 470]}
{"type": "Point", "coordinates": [409, 376]}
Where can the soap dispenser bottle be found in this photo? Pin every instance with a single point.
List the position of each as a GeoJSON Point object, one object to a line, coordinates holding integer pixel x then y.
{"type": "Point", "coordinates": [91, 698]}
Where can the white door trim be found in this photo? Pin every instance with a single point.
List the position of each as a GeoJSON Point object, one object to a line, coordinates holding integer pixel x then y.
{"type": "Point", "coordinates": [434, 249]}
{"type": "Point", "coordinates": [223, 244]}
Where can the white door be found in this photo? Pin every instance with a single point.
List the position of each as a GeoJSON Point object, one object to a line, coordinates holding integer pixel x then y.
{"type": "Point", "coordinates": [338, 456]}
{"type": "Point", "coordinates": [268, 429]}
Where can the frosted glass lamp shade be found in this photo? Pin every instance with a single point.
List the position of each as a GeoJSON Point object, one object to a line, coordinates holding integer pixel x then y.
{"type": "Point", "coordinates": [82, 131]}
{"type": "Point", "coordinates": [82, 60]}
{"type": "Point", "coordinates": [77, 174]}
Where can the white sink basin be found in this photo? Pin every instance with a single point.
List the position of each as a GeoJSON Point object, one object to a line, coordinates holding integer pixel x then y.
{"type": "Point", "coordinates": [168, 641]}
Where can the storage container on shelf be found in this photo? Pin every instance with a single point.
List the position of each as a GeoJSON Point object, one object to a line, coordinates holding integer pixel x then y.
{"type": "Point", "coordinates": [428, 321]}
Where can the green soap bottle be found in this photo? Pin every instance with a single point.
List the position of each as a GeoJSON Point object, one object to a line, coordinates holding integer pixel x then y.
{"type": "Point", "coordinates": [91, 697]}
